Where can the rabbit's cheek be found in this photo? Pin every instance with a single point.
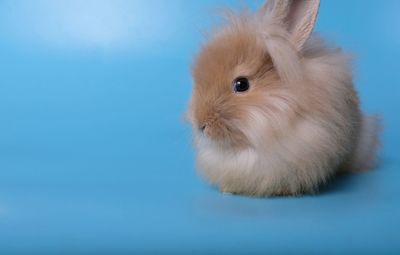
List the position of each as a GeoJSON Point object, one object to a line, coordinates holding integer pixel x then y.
{"type": "Point", "coordinates": [255, 127]}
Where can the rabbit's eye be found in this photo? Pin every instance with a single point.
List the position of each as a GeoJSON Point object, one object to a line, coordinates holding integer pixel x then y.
{"type": "Point", "coordinates": [241, 85]}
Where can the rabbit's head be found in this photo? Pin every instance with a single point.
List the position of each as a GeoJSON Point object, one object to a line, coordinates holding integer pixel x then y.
{"type": "Point", "coordinates": [248, 78]}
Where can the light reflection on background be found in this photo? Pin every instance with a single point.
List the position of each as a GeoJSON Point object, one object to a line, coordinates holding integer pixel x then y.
{"type": "Point", "coordinates": [86, 24]}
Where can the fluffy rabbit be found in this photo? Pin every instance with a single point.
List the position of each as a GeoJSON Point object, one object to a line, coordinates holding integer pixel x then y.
{"type": "Point", "coordinates": [274, 111]}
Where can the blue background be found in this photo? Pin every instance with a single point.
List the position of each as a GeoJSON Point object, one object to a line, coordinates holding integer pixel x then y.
{"type": "Point", "coordinates": [95, 156]}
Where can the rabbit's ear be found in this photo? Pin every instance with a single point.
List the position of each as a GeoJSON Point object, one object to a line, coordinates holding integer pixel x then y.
{"type": "Point", "coordinates": [297, 16]}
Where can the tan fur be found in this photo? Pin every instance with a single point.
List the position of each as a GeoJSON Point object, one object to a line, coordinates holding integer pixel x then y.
{"type": "Point", "coordinates": [297, 125]}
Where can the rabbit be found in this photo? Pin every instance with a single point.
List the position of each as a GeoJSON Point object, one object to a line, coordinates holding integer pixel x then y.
{"type": "Point", "coordinates": [273, 108]}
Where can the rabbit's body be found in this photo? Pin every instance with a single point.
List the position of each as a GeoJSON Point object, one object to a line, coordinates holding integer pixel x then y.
{"type": "Point", "coordinates": [297, 124]}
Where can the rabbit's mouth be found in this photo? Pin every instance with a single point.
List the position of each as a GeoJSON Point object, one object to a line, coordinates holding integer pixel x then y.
{"type": "Point", "coordinates": [223, 134]}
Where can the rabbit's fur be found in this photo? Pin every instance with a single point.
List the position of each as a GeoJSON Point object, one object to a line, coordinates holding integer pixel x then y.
{"type": "Point", "coordinates": [299, 123]}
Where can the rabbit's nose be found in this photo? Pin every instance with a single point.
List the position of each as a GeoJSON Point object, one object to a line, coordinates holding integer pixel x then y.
{"type": "Point", "coordinates": [202, 128]}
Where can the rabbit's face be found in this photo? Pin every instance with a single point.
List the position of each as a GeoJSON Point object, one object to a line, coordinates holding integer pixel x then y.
{"type": "Point", "coordinates": [233, 79]}
{"type": "Point", "coordinates": [248, 79]}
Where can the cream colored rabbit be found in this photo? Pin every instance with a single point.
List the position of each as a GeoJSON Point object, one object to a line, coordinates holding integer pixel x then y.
{"type": "Point", "coordinates": [274, 110]}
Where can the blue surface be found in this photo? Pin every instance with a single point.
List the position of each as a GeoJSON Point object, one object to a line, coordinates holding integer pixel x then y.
{"type": "Point", "coordinates": [95, 156]}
